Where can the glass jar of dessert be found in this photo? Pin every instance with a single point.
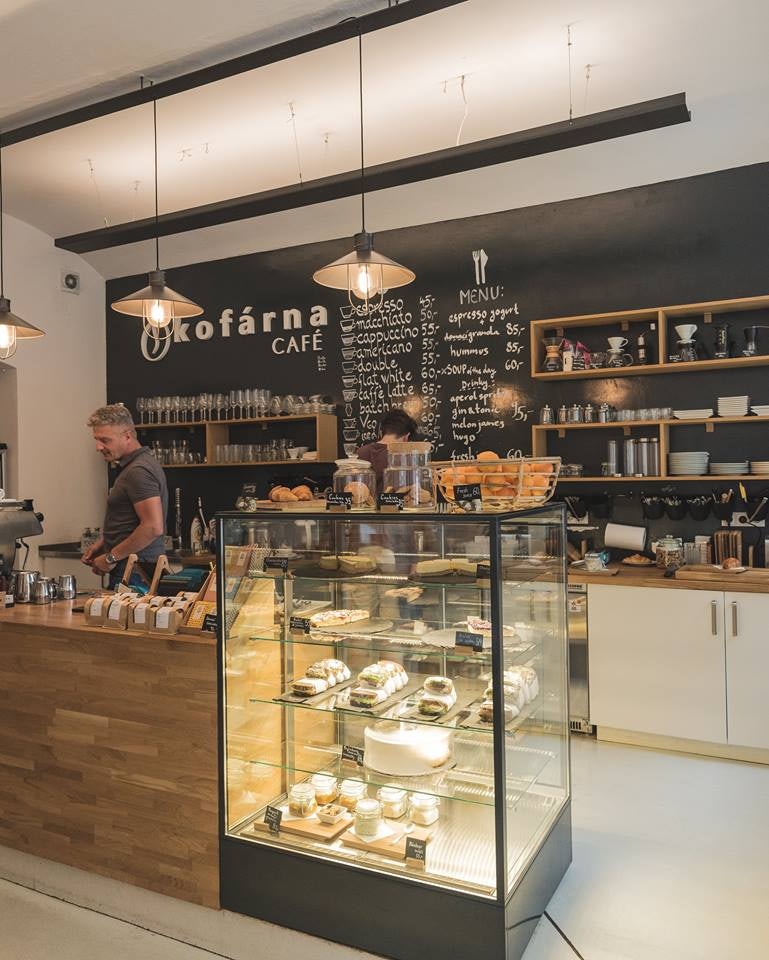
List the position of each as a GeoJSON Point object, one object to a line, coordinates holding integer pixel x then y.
{"type": "Point", "coordinates": [301, 800]}
{"type": "Point", "coordinates": [356, 478]}
{"type": "Point", "coordinates": [670, 552]}
{"type": "Point", "coordinates": [350, 792]}
{"type": "Point", "coordinates": [409, 475]}
{"type": "Point", "coordinates": [325, 787]}
{"type": "Point", "coordinates": [423, 808]}
{"type": "Point", "coordinates": [394, 801]}
{"type": "Point", "coordinates": [368, 818]}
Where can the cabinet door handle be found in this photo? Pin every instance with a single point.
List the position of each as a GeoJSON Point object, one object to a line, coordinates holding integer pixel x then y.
{"type": "Point", "coordinates": [714, 617]}
{"type": "Point", "coordinates": [734, 618]}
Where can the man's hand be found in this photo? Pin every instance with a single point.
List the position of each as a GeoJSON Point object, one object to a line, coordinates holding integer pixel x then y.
{"type": "Point", "coordinates": [88, 556]}
{"type": "Point", "coordinates": [100, 565]}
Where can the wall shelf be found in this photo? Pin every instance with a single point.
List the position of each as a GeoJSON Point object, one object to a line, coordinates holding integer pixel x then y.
{"type": "Point", "coordinates": [246, 463]}
{"type": "Point", "coordinates": [664, 318]}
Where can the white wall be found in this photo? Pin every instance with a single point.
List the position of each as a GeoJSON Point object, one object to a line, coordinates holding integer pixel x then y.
{"type": "Point", "coordinates": [60, 380]}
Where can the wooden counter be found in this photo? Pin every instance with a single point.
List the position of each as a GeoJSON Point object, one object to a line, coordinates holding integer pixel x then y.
{"type": "Point", "coordinates": [655, 577]}
{"type": "Point", "coordinates": [108, 751]}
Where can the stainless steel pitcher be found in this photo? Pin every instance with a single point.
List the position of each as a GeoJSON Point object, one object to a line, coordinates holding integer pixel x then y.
{"type": "Point", "coordinates": [25, 581]}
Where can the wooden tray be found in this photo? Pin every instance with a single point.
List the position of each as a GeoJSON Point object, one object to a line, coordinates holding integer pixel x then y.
{"type": "Point", "coordinates": [743, 574]}
{"type": "Point", "coordinates": [393, 846]}
{"type": "Point", "coordinates": [306, 506]}
{"type": "Point", "coordinates": [315, 698]}
{"type": "Point", "coordinates": [311, 827]}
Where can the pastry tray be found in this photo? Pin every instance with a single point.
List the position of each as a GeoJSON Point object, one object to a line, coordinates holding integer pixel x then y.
{"type": "Point", "coordinates": [378, 709]}
{"type": "Point", "coordinates": [290, 697]}
{"type": "Point", "coordinates": [393, 845]}
{"type": "Point", "coordinates": [473, 720]}
{"type": "Point", "coordinates": [309, 827]}
{"type": "Point", "coordinates": [362, 627]}
{"type": "Point", "coordinates": [314, 571]}
{"type": "Point", "coordinates": [467, 694]}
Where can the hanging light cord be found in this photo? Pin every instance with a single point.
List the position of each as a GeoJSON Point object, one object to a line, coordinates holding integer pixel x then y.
{"type": "Point", "coordinates": [360, 97]}
{"type": "Point", "coordinates": [571, 99]}
{"type": "Point", "coordinates": [155, 135]}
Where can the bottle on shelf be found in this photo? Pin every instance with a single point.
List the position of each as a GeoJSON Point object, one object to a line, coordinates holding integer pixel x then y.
{"type": "Point", "coordinates": [645, 346]}
{"type": "Point", "coordinates": [199, 530]}
{"type": "Point", "coordinates": [7, 598]}
{"type": "Point", "coordinates": [178, 536]}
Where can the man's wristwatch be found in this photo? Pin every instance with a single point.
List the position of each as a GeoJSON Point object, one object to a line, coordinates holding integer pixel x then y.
{"type": "Point", "coordinates": [111, 558]}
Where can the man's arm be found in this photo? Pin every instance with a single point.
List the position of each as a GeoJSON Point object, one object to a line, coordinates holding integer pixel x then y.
{"type": "Point", "coordinates": [151, 526]}
{"type": "Point", "coordinates": [93, 551]}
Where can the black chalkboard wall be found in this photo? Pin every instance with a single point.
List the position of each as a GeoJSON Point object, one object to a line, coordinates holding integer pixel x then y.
{"type": "Point", "coordinates": [454, 346]}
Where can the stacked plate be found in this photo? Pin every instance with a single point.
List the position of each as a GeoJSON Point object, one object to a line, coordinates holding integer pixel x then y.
{"type": "Point", "coordinates": [733, 406]}
{"type": "Point", "coordinates": [761, 410]}
{"type": "Point", "coordinates": [692, 414]}
{"type": "Point", "coordinates": [738, 467]}
{"type": "Point", "coordinates": [760, 467]}
{"type": "Point", "coordinates": [694, 463]}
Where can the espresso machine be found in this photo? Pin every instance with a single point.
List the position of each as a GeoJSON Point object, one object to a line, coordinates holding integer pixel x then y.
{"type": "Point", "coordinates": [17, 521]}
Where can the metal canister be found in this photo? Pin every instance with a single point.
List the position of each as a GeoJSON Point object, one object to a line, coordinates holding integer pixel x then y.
{"type": "Point", "coordinates": [605, 413]}
{"type": "Point", "coordinates": [589, 413]}
{"type": "Point", "coordinates": [612, 458]}
{"type": "Point", "coordinates": [546, 414]}
{"type": "Point", "coordinates": [563, 414]}
{"type": "Point", "coordinates": [575, 413]}
{"type": "Point", "coordinates": [643, 457]}
{"type": "Point", "coordinates": [654, 457]}
{"type": "Point", "coordinates": [630, 457]}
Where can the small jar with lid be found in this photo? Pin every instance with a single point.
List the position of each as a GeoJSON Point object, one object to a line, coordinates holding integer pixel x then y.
{"type": "Point", "coordinates": [325, 786]}
{"type": "Point", "coordinates": [670, 552]}
{"type": "Point", "coordinates": [423, 808]}
{"type": "Point", "coordinates": [394, 802]}
{"type": "Point", "coordinates": [356, 478]}
{"type": "Point", "coordinates": [301, 800]}
{"type": "Point", "coordinates": [350, 792]}
{"type": "Point", "coordinates": [408, 473]}
{"type": "Point", "coordinates": [368, 818]}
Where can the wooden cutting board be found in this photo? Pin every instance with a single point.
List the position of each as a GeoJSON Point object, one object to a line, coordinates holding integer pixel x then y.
{"type": "Point", "coordinates": [393, 846]}
{"type": "Point", "coordinates": [713, 574]}
{"type": "Point", "coordinates": [311, 827]}
{"type": "Point", "coordinates": [305, 506]}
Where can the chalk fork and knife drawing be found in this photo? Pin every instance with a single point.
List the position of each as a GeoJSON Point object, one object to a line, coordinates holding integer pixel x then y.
{"type": "Point", "coordinates": [480, 259]}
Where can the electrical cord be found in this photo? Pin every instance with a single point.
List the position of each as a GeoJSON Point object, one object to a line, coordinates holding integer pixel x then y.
{"type": "Point", "coordinates": [538, 916]}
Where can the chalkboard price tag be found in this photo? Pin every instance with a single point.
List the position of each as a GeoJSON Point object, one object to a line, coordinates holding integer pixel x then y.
{"type": "Point", "coordinates": [300, 624]}
{"type": "Point", "coordinates": [467, 491]}
{"type": "Point", "coordinates": [353, 754]}
{"type": "Point", "coordinates": [391, 502]}
{"type": "Point", "coordinates": [339, 501]}
{"type": "Point", "coordinates": [248, 490]}
{"type": "Point", "coordinates": [210, 622]}
{"type": "Point", "coordinates": [472, 640]}
{"type": "Point", "coordinates": [272, 817]}
{"type": "Point", "coordinates": [276, 563]}
{"type": "Point", "coordinates": [416, 853]}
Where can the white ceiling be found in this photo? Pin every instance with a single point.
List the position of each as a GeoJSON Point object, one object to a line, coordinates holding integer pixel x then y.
{"type": "Point", "coordinates": [235, 137]}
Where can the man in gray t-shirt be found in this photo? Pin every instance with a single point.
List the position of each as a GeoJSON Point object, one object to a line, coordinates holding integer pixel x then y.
{"type": "Point", "coordinates": [137, 503]}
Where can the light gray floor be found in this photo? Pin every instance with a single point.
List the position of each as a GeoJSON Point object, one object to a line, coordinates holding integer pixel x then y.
{"type": "Point", "coordinates": [671, 862]}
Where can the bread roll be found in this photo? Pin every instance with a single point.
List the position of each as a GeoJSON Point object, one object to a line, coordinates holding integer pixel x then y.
{"type": "Point", "coordinates": [730, 563]}
{"type": "Point", "coordinates": [302, 492]}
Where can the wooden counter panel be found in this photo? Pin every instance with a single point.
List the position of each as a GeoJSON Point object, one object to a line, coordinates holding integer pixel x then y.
{"type": "Point", "coordinates": [655, 577]}
{"type": "Point", "coordinates": [108, 751]}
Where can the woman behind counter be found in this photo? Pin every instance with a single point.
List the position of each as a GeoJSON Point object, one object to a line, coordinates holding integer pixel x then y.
{"type": "Point", "coordinates": [396, 426]}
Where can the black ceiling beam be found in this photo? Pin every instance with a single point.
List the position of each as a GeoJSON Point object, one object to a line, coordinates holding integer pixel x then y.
{"type": "Point", "coordinates": [607, 125]}
{"type": "Point", "coordinates": [346, 30]}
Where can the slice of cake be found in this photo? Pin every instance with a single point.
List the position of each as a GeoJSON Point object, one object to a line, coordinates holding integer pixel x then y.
{"type": "Point", "coordinates": [337, 618]}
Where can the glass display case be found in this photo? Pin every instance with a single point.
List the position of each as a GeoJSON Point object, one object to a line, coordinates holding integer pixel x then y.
{"type": "Point", "coordinates": [394, 724]}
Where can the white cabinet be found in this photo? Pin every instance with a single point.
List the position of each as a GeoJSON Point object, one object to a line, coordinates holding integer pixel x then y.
{"type": "Point", "coordinates": [657, 661]}
{"type": "Point", "coordinates": [747, 668]}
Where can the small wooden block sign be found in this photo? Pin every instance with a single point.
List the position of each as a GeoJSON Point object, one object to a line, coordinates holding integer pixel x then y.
{"type": "Point", "coordinates": [338, 502]}
{"type": "Point", "coordinates": [474, 641]}
{"type": "Point", "coordinates": [416, 853]}
{"type": "Point", "coordinates": [276, 563]}
{"type": "Point", "coordinates": [272, 817]}
{"type": "Point", "coordinates": [299, 624]}
{"type": "Point", "coordinates": [353, 754]}
{"type": "Point", "coordinates": [210, 622]}
{"type": "Point", "coordinates": [390, 502]}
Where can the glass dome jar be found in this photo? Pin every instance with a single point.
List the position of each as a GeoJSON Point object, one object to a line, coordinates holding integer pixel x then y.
{"type": "Point", "coordinates": [368, 818]}
{"type": "Point", "coordinates": [350, 792]}
{"type": "Point", "coordinates": [409, 474]}
{"type": "Point", "coordinates": [325, 786]}
{"type": "Point", "coordinates": [357, 478]}
{"type": "Point", "coordinates": [301, 800]}
{"type": "Point", "coordinates": [393, 801]}
{"type": "Point", "coordinates": [423, 808]}
{"type": "Point", "coordinates": [670, 552]}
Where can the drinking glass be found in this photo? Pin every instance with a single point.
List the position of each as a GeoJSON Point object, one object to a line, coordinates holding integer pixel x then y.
{"type": "Point", "coordinates": [276, 406]}
{"type": "Point", "coordinates": [166, 408]}
{"type": "Point", "coordinates": [141, 408]}
{"type": "Point", "coordinates": [220, 405]}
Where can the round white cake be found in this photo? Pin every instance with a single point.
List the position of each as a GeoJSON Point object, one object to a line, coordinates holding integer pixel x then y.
{"type": "Point", "coordinates": [406, 749]}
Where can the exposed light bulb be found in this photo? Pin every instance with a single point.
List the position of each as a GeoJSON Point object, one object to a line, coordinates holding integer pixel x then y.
{"type": "Point", "coordinates": [7, 341]}
{"type": "Point", "coordinates": [158, 313]}
{"type": "Point", "coordinates": [366, 282]}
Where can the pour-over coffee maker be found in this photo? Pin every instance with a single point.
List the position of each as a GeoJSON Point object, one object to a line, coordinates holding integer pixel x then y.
{"type": "Point", "coordinates": [751, 341]}
{"type": "Point", "coordinates": [687, 349]}
{"type": "Point", "coordinates": [553, 361]}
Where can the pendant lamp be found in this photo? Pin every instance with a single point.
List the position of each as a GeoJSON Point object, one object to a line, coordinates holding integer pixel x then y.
{"type": "Point", "coordinates": [365, 274]}
{"type": "Point", "coordinates": [12, 328]}
{"type": "Point", "coordinates": [157, 305]}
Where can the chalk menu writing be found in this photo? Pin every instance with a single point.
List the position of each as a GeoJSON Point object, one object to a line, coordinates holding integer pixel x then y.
{"type": "Point", "coordinates": [455, 361]}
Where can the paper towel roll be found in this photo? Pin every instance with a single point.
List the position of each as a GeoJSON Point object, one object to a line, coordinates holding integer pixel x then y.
{"type": "Point", "coordinates": [624, 536]}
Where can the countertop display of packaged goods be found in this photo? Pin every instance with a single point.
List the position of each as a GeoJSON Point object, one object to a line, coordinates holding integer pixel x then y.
{"type": "Point", "coordinates": [425, 683]}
